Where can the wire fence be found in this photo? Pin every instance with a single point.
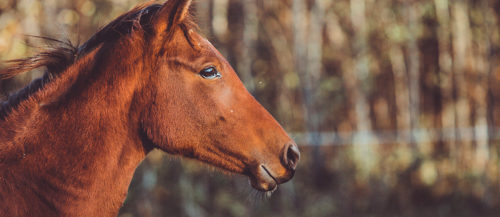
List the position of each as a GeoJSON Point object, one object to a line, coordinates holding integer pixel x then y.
{"type": "Point", "coordinates": [479, 134]}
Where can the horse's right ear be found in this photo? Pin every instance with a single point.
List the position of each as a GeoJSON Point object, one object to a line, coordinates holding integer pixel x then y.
{"type": "Point", "coordinates": [170, 14]}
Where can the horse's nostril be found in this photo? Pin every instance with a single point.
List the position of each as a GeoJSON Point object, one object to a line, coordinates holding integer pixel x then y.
{"type": "Point", "coordinates": [292, 155]}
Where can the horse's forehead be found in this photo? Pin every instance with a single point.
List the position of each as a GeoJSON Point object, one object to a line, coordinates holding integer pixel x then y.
{"type": "Point", "coordinates": [198, 41]}
{"type": "Point", "coordinates": [204, 44]}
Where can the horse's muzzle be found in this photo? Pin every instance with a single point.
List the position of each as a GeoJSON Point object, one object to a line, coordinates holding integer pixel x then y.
{"type": "Point", "coordinates": [263, 178]}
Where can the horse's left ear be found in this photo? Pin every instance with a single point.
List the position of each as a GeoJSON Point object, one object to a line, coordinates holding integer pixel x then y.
{"type": "Point", "coordinates": [171, 13]}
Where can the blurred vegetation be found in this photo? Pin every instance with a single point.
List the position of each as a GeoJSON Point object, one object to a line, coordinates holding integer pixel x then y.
{"type": "Point", "coordinates": [395, 103]}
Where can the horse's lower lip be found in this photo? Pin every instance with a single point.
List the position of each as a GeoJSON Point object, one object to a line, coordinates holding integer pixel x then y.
{"type": "Point", "coordinates": [263, 180]}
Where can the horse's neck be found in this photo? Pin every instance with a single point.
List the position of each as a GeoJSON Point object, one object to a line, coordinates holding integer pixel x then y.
{"type": "Point", "coordinates": [74, 156]}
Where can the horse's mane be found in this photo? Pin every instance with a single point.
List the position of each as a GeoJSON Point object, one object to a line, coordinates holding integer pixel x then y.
{"type": "Point", "coordinates": [57, 59]}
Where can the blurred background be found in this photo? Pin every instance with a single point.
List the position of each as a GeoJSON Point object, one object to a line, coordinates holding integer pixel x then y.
{"type": "Point", "coordinates": [395, 104]}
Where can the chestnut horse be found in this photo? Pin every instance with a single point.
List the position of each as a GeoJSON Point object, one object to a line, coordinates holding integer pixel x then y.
{"type": "Point", "coordinates": [71, 141]}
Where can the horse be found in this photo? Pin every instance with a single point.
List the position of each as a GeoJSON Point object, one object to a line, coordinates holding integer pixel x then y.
{"type": "Point", "coordinates": [71, 140]}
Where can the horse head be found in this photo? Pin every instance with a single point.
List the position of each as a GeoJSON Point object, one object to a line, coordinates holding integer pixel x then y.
{"type": "Point", "coordinates": [197, 106]}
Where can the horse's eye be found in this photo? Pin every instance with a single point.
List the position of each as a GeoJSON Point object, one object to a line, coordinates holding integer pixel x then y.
{"type": "Point", "coordinates": [210, 73]}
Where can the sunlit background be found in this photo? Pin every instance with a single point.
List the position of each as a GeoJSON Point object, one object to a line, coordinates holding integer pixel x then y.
{"type": "Point", "coordinates": [395, 104]}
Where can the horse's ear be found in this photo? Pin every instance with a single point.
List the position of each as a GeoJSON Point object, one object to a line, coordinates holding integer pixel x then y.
{"type": "Point", "coordinates": [171, 13]}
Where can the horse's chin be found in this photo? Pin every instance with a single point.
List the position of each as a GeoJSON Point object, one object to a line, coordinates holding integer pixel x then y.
{"type": "Point", "coordinates": [263, 180]}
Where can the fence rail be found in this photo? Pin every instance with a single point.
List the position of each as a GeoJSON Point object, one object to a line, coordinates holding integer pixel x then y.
{"type": "Point", "coordinates": [479, 134]}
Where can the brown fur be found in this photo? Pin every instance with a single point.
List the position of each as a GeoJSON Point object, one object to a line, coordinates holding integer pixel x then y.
{"type": "Point", "coordinates": [71, 140]}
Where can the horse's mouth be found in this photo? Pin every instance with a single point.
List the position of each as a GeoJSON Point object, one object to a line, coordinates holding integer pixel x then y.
{"type": "Point", "coordinates": [263, 180]}
{"type": "Point", "coordinates": [269, 174]}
